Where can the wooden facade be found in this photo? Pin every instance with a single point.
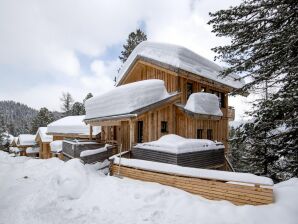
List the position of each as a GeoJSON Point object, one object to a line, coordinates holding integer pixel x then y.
{"type": "Point", "coordinates": [168, 118]}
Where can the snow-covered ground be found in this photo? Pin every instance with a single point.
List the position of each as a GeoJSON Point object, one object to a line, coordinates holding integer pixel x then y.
{"type": "Point", "coordinates": [51, 191]}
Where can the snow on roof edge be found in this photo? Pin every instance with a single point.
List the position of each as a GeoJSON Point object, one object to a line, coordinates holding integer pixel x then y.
{"type": "Point", "coordinates": [182, 53]}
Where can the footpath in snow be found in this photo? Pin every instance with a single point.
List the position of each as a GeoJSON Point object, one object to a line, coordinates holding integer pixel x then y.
{"type": "Point", "coordinates": [50, 191]}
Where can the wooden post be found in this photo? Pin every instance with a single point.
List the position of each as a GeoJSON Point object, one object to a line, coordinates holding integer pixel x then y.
{"type": "Point", "coordinates": [131, 134]}
{"type": "Point", "coordinates": [90, 132]}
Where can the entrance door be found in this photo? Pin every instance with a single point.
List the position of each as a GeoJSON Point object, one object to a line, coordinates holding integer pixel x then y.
{"type": "Point", "coordinates": [140, 131]}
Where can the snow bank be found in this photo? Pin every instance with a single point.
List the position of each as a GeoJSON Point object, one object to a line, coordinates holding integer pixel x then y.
{"type": "Point", "coordinates": [31, 150]}
{"type": "Point", "coordinates": [107, 199]}
{"type": "Point", "coordinates": [194, 172]}
{"type": "Point", "coordinates": [126, 98]}
{"type": "Point", "coordinates": [72, 180]}
{"type": "Point", "coordinates": [203, 103]}
{"type": "Point", "coordinates": [176, 144]}
{"type": "Point", "coordinates": [56, 146]}
{"type": "Point", "coordinates": [25, 139]}
{"type": "Point", "coordinates": [14, 149]}
{"type": "Point", "coordinates": [179, 57]}
{"type": "Point", "coordinates": [93, 151]}
{"type": "Point", "coordinates": [71, 125]}
{"type": "Point", "coordinates": [43, 136]}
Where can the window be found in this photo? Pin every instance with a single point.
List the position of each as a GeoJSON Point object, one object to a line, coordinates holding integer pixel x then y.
{"type": "Point", "coordinates": [140, 131]}
{"type": "Point", "coordinates": [199, 133]}
{"type": "Point", "coordinates": [164, 126]}
{"type": "Point", "coordinates": [189, 89]}
{"type": "Point", "coordinates": [203, 89]}
{"type": "Point", "coordinates": [222, 100]}
{"type": "Point", "coordinates": [209, 134]}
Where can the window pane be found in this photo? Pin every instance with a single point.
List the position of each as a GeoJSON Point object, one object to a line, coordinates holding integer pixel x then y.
{"type": "Point", "coordinates": [199, 133]}
{"type": "Point", "coordinates": [209, 134]}
{"type": "Point", "coordinates": [189, 89]}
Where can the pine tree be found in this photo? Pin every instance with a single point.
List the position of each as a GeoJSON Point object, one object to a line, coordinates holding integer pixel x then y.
{"type": "Point", "coordinates": [264, 47]}
{"type": "Point", "coordinates": [134, 38]}
{"type": "Point", "coordinates": [2, 132]}
{"type": "Point", "coordinates": [77, 109]}
{"type": "Point", "coordinates": [42, 119]}
{"type": "Point", "coordinates": [67, 102]}
{"type": "Point", "coordinates": [89, 95]}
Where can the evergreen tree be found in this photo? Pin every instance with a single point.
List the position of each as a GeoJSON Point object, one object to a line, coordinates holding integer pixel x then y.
{"type": "Point", "coordinates": [89, 95]}
{"type": "Point", "coordinates": [2, 132]}
{"type": "Point", "coordinates": [67, 102]}
{"type": "Point", "coordinates": [264, 46]}
{"type": "Point", "coordinates": [77, 109]}
{"type": "Point", "coordinates": [134, 38]}
{"type": "Point", "coordinates": [42, 119]}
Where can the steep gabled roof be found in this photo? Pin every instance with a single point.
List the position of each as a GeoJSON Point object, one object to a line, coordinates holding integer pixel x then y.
{"type": "Point", "coordinates": [179, 58]}
{"type": "Point", "coordinates": [41, 134]}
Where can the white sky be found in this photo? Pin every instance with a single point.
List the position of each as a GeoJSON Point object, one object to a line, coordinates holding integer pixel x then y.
{"type": "Point", "coordinates": [50, 46]}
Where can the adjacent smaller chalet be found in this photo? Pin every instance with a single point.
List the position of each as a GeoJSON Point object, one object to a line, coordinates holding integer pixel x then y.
{"type": "Point", "coordinates": [25, 141]}
{"type": "Point", "coordinates": [43, 140]}
{"type": "Point", "coordinates": [72, 129]}
{"type": "Point", "coordinates": [14, 142]}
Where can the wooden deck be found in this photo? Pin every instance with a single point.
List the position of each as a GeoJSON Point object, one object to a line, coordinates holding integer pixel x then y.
{"type": "Point", "coordinates": [238, 194]}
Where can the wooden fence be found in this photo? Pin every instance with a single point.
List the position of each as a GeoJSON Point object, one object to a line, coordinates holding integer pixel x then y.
{"type": "Point", "coordinates": [238, 194]}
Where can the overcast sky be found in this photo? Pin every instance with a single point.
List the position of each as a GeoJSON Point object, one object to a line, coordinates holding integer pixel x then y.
{"type": "Point", "coordinates": [49, 47]}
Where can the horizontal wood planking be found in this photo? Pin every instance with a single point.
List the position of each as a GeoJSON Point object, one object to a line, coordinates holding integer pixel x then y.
{"type": "Point", "coordinates": [211, 189]}
{"type": "Point", "coordinates": [199, 159]}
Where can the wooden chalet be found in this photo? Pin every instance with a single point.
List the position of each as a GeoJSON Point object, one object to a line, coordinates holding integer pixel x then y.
{"type": "Point", "coordinates": [25, 141]}
{"type": "Point", "coordinates": [70, 128]}
{"type": "Point", "coordinates": [183, 73]}
{"type": "Point", "coordinates": [43, 140]}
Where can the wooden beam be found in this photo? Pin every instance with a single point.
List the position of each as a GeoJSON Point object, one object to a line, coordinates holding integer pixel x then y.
{"type": "Point", "coordinates": [90, 132]}
{"type": "Point", "coordinates": [131, 134]}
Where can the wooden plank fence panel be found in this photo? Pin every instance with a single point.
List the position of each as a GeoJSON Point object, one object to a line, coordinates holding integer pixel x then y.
{"type": "Point", "coordinates": [210, 189]}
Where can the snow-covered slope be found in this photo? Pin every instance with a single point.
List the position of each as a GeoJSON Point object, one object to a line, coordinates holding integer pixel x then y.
{"type": "Point", "coordinates": [35, 191]}
{"type": "Point", "coordinates": [179, 57]}
{"type": "Point", "coordinates": [126, 98]}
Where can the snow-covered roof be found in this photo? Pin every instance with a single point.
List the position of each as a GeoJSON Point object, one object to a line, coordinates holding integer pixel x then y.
{"type": "Point", "coordinates": [41, 132]}
{"type": "Point", "coordinates": [71, 125]}
{"type": "Point", "coordinates": [176, 144]}
{"type": "Point", "coordinates": [126, 99]}
{"type": "Point", "coordinates": [180, 58]}
{"type": "Point", "coordinates": [26, 140]}
{"type": "Point", "coordinates": [203, 103]}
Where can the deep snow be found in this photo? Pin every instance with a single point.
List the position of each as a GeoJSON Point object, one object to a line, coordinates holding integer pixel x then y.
{"type": "Point", "coordinates": [50, 191]}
